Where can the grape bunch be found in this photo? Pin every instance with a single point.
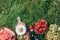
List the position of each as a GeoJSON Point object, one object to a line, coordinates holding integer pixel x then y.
{"type": "Point", "coordinates": [21, 37]}
{"type": "Point", "coordinates": [59, 32]}
{"type": "Point", "coordinates": [52, 34]}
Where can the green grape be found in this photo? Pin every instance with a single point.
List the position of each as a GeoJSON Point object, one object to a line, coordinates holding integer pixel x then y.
{"type": "Point", "coordinates": [59, 33]}
{"type": "Point", "coordinates": [52, 34]}
{"type": "Point", "coordinates": [21, 37]}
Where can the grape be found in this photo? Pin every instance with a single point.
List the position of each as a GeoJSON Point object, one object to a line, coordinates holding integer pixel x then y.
{"type": "Point", "coordinates": [52, 34]}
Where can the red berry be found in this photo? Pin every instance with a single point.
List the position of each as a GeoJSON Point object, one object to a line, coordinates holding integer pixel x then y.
{"type": "Point", "coordinates": [40, 30]}
{"type": "Point", "coordinates": [37, 23]}
{"type": "Point", "coordinates": [36, 27]}
{"type": "Point", "coordinates": [42, 26]}
{"type": "Point", "coordinates": [42, 21]}
{"type": "Point", "coordinates": [44, 29]}
{"type": "Point", "coordinates": [45, 26]}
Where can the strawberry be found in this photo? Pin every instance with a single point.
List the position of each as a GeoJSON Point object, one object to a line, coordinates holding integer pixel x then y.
{"type": "Point", "coordinates": [40, 30]}
{"type": "Point", "coordinates": [44, 29]}
{"type": "Point", "coordinates": [36, 27]}
{"type": "Point", "coordinates": [42, 21]}
{"type": "Point", "coordinates": [37, 23]}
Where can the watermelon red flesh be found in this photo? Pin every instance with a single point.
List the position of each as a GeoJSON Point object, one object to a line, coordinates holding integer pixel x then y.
{"type": "Point", "coordinates": [6, 34]}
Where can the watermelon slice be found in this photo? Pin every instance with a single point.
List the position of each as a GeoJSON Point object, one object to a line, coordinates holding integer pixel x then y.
{"type": "Point", "coordinates": [7, 34]}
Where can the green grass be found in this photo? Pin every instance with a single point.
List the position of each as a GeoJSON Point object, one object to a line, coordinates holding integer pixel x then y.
{"type": "Point", "coordinates": [30, 11]}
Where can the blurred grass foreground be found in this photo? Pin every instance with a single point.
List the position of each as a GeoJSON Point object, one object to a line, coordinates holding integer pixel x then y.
{"type": "Point", "coordinates": [29, 10]}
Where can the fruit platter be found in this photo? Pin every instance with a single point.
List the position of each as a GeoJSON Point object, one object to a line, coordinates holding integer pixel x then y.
{"type": "Point", "coordinates": [29, 19]}
{"type": "Point", "coordinates": [40, 27]}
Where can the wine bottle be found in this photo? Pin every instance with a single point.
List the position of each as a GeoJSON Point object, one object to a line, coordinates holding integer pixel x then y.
{"type": "Point", "coordinates": [33, 36]}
